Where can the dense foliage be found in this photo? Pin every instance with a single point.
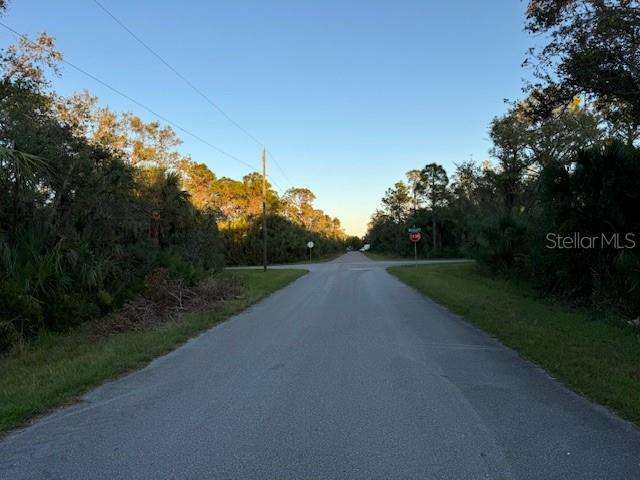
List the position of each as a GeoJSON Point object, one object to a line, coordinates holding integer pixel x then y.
{"type": "Point", "coordinates": [292, 219]}
{"type": "Point", "coordinates": [558, 205]}
{"type": "Point", "coordinates": [80, 226]}
{"type": "Point", "coordinates": [91, 202]}
{"type": "Point", "coordinates": [592, 49]}
{"type": "Point", "coordinates": [569, 223]}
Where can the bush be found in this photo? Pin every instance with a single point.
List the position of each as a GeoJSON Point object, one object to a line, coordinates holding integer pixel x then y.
{"type": "Point", "coordinates": [498, 243]}
{"type": "Point", "coordinates": [597, 197]}
{"type": "Point", "coordinates": [21, 315]}
{"type": "Point", "coordinates": [9, 336]}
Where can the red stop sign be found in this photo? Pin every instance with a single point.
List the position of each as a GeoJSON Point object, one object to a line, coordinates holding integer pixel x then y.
{"type": "Point", "coordinates": [415, 236]}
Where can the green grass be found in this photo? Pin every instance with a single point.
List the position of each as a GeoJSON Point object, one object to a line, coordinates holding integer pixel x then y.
{"type": "Point", "coordinates": [58, 368]}
{"type": "Point", "coordinates": [385, 256]}
{"type": "Point", "coordinates": [321, 259]}
{"type": "Point", "coordinates": [598, 357]}
{"type": "Point", "coordinates": [381, 256]}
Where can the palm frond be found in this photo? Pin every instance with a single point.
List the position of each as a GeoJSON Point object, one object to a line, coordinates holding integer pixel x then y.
{"type": "Point", "coordinates": [24, 165]}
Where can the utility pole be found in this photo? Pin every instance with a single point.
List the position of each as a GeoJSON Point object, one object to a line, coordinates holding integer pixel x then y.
{"type": "Point", "coordinates": [264, 209]}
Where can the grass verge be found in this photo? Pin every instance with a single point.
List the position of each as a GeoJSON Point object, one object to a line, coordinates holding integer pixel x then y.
{"type": "Point", "coordinates": [597, 357]}
{"type": "Point", "coordinates": [58, 368]}
{"type": "Point", "coordinates": [321, 259]}
{"type": "Point", "coordinates": [380, 256]}
{"type": "Point", "coordinates": [385, 256]}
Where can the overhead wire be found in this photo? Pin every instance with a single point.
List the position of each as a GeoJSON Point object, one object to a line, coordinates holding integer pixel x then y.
{"type": "Point", "coordinates": [136, 102]}
{"type": "Point", "coordinates": [193, 87]}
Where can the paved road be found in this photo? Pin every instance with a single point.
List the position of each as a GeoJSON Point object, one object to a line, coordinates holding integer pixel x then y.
{"type": "Point", "coordinates": [346, 374]}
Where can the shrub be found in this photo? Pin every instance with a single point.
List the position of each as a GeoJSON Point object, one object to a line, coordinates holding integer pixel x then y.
{"type": "Point", "coordinates": [498, 243]}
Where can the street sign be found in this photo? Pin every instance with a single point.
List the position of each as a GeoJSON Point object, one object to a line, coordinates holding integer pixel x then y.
{"type": "Point", "coordinates": [414, 230]}
{"type": "Point", "coordinates": [415, 236]}
{"type": "Point", "coordinates": [310, 245]}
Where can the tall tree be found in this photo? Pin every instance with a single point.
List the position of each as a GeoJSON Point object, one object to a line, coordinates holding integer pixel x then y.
{"type": "Point", "coordinates": [414, 177]}
{"type": "Point", "coordinates": [511, 138]}
{"type": "Point", "coordinates": [559, 136]}
{"type": "Point", "coordinates": [434, 189]}
{"type": "Point", "coordinates": [298, 205]}
{"type": "Point", "coordinates": [199, 181]}
{"type": "Point", "coordinates": [229, 199]}
{"type": "Point", "coordinates": [151, 144]}
{"type": "Point", "coordinates": [396, 201]}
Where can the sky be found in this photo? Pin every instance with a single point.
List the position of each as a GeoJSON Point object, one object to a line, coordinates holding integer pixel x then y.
{"type": "Point", "coordinates": [347, 95]}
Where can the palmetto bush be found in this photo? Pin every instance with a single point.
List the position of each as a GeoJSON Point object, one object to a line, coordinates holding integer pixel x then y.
{"type": "Point", "coordinates": [76, 236]}
{"type": "Point", "coordinates": [597, 196]}
{"type": "Point", "coordinates": [498, 242]}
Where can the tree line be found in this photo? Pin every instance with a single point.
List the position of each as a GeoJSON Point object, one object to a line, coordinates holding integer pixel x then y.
{"type": "Point", "coordinates": [92, 201]}
{"type": "Point", "coordinates": [558, 203]}
{"type": "Point", "coordinates": [292, 220]}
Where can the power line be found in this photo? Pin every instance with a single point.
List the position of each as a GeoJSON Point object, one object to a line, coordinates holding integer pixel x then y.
{"type": "Point", "coordinates": [275, 183]}
{"type": "Point", "coordinates": [182, 77]}
{"type": "Point", "coordinates": [191, 85]}
{"type": "Point", "coordinates": [133, 100]}
{"type": "Point", "coordinates": [280, 168]}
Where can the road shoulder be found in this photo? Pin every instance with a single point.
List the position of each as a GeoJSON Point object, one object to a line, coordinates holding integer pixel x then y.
{"type": "Point", "coordinates": [595, 357]}
{"type": "Point", "coordinates": [59, 368]}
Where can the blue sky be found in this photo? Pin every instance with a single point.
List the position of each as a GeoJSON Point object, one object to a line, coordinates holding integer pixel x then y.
{"type": "Point", "coordinates": [348, 95]}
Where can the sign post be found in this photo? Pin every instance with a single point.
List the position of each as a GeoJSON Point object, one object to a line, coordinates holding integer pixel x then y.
{"type": "Point", "coordinates": [310, 246]}
{"type": "Point", "coordinates": [415, 235]}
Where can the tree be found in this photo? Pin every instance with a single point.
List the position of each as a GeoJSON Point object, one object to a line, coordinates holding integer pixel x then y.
{"type": "Point", "coordinates": [433, 188]}
{"type": "Point", "coordinates": [26, 62]}
{"type": "Point", "coordinates": [336, 228]}
{"type": "Point", "coordinates": [81, 114]}
{"type": "Point", "coordinates": [92, 201]}
{"type": "Point", "coordinates": [414, 177]}
{"type": "Point", "coordinates": [592, 49]}
{"type": "Point", "coordinates": [151, 144]}
{"type": "Point", "coordinates": [621, 123]}
{"type": "Point", "coordinates": [80, 227]}
{"type": "Point", "coordinates": [559, 136]}
{"type": "Point", "coordinates": [140, 143]}
{"type": "Point", "coordinates": [229, 199]}
{"type": "Point", "coordinates": [512, 139]}
{"type": "Point", "coordinates": [354, 242]}
{"type": "Point", "coordinates": [298, 205]}
{"type": "Point", "coordinates": [199, 181]}
{"type": "Point", "coordinates": [465, 183]}
{"type": "Point", "coordinates": [396, 201]}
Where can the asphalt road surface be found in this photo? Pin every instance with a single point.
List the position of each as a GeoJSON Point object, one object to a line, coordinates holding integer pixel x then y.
{"type": "Point", "coordinates": [345, 374]}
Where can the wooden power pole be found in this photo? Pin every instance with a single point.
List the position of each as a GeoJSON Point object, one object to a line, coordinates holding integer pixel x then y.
{"type": "Point", "coordinates": [264, 209]}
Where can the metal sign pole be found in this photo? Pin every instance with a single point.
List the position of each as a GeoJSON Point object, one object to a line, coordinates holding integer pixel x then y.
{"type": "Point", "coordinates": [310, 246]}
{"type": "Point", "coordinates": [415, 236]}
